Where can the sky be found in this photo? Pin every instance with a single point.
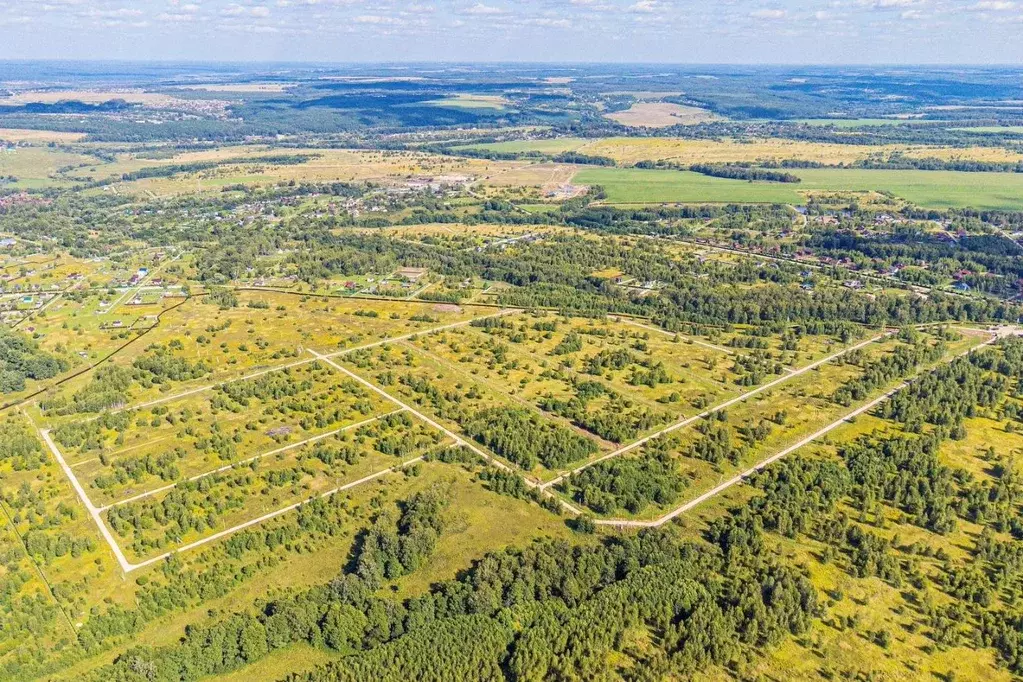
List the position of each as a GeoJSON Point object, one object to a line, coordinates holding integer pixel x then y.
{"type": "Point", "coordinates": [669, 31]}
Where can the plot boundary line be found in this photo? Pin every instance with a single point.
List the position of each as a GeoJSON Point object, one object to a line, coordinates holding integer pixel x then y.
{"type": "Point", "coordinates": [248, 460]}
{"type": "Point", "coordinates": [717, 408]}
{"type": "Point", "coordinates": [738, 478]}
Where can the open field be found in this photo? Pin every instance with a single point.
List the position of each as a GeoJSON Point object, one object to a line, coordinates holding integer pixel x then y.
{"type": "Point", "coordinates": [930, 189]}
{"type": "Point", "coordinates": [230, 496]}
{"type": "Point", "coordinates": [632, 186]}
{"type": "Point", "coordinates": [484, 102]}
{"type": "Point", "coordinates": [152, 99]}
{"type": "Point", "coordinates": [28, 135]}
{"type": "Point", "coordinates": [1013, 130]}
{"type": "Point", "coordinates": [145, 449]}
{"type": "Point", "coordinates": [629, 150]}
{"type": "Point", "coordinates": [238, 87]}
{"type": "Point", "coordinates": [661, 115]}
{"type": "Point", "coordinates": [291, 390]}
{"type": "Point", "coordinates": [36, 167]}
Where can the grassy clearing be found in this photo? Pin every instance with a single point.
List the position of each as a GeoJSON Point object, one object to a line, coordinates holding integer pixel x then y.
{"type": "Point", "coordinates": [836, 652]}
{"type": "Point", "coordinates": [632, 186]}
{"type": "Point", "coordinates": [249, 491]}
{"type": "Point", "coordinates": [929, 189]}
{"type": "Point", "coordinates": [661, 115]}
{"type": "Point", "coordinates": [268, 329]}
{"type": "Point", "coordinates": [473, 102]}
{"type": "Point", "coordinates": [629, 150]}
{"type": "Point", "coordinates": [16, 135]}
{"type": "Point", "coordinates": [36, 167]}
{"type": "Point", "coordinates": [1015, 130]}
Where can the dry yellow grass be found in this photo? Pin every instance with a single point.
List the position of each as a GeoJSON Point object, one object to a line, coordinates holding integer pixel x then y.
{"type": "Point", "coordinates": [12, 135]}
{"type": "Point", "coordinates": [630, 150]}
{"type": "Point", "coordinates": [151, 99]}
{"type": "Point", "coordinates": [661, 115]}
{"type": "Point", "coordinates": [517, 174]}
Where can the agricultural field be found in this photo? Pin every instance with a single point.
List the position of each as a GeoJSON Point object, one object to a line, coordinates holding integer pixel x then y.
{"type": "Point", "coordinates": [930, 189]}
{"type": "Point", "coordinates": [661, 115]}
{"type": "Point", "coordinates": [36, 167]}
{"type": "Point", "coordinates": [630, 150]}
{"type": "Point", "coordinates": [631, 186]}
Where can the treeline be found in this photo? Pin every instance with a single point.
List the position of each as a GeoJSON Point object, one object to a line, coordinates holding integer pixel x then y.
{"type": "Point", "coordinates": [740, 172]}
{"type": "Point", "coordinates": [111, 385]}
{"type": "Point", "coordinates": [899, 161]}
{"type": "Point", "coordinates": [583, 159]}
{"type": "Point", "coordinates": [21, 359]}
{"type": "Point", "coordinates": [551, 610]}
{"type": "Point", "coordinates": [170, 170]}
{"type": "Point", "coordinates": [732, 171]}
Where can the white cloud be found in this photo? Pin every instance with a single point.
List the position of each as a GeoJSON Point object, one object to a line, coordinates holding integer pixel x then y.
{"type": "Point", "coordinates": [175, 17]}
{"type": "Point", "coordinates": [480, 9]}
{"type": "Point", "coordinates": [645, 6]}
{"type": "Point", "coordinates": [375, 19]}
{"type": "Point", "coordinates": [889, 4]}
{"type": "Point", "coordinates": [772, 14]}
{"type": "Point", "coordinates": [993, 6]}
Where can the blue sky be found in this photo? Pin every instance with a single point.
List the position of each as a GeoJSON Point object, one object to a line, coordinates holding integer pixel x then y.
{"type": "Point", "coordinates": [682, 31]}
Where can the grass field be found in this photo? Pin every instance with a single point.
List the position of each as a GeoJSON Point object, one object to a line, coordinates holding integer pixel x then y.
{"type": "Point", "coordinates": [629, 150]}
{"type": "Point", "coordinates": [929, 189]}
{"type": "Point", "coordinates": [632, 186]}
{"type": "Point", "coordinates": [1015, 130]}
{"type": "Point", "coordinates": [15, 135]}
{"type": "Point", "coordinates": [472, 102]}
{"type": "Point", "coordinates": [35, 167]}
{"type": "Point", "coordinates": [661, 115]}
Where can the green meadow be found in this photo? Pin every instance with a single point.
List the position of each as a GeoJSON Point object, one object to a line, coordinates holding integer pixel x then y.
{"type": "Point", "coordinates": [929, 189]}
{"type": "Point", "coordinates": [634, 186]}
{"type": "Point", "coordinates": [1015, 130]}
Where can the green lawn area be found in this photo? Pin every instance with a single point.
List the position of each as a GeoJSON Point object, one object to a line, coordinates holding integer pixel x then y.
{"type": "Point", "coordinates": [929, 189]}
{"type": "Point", "coordinates": [634, 186]}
